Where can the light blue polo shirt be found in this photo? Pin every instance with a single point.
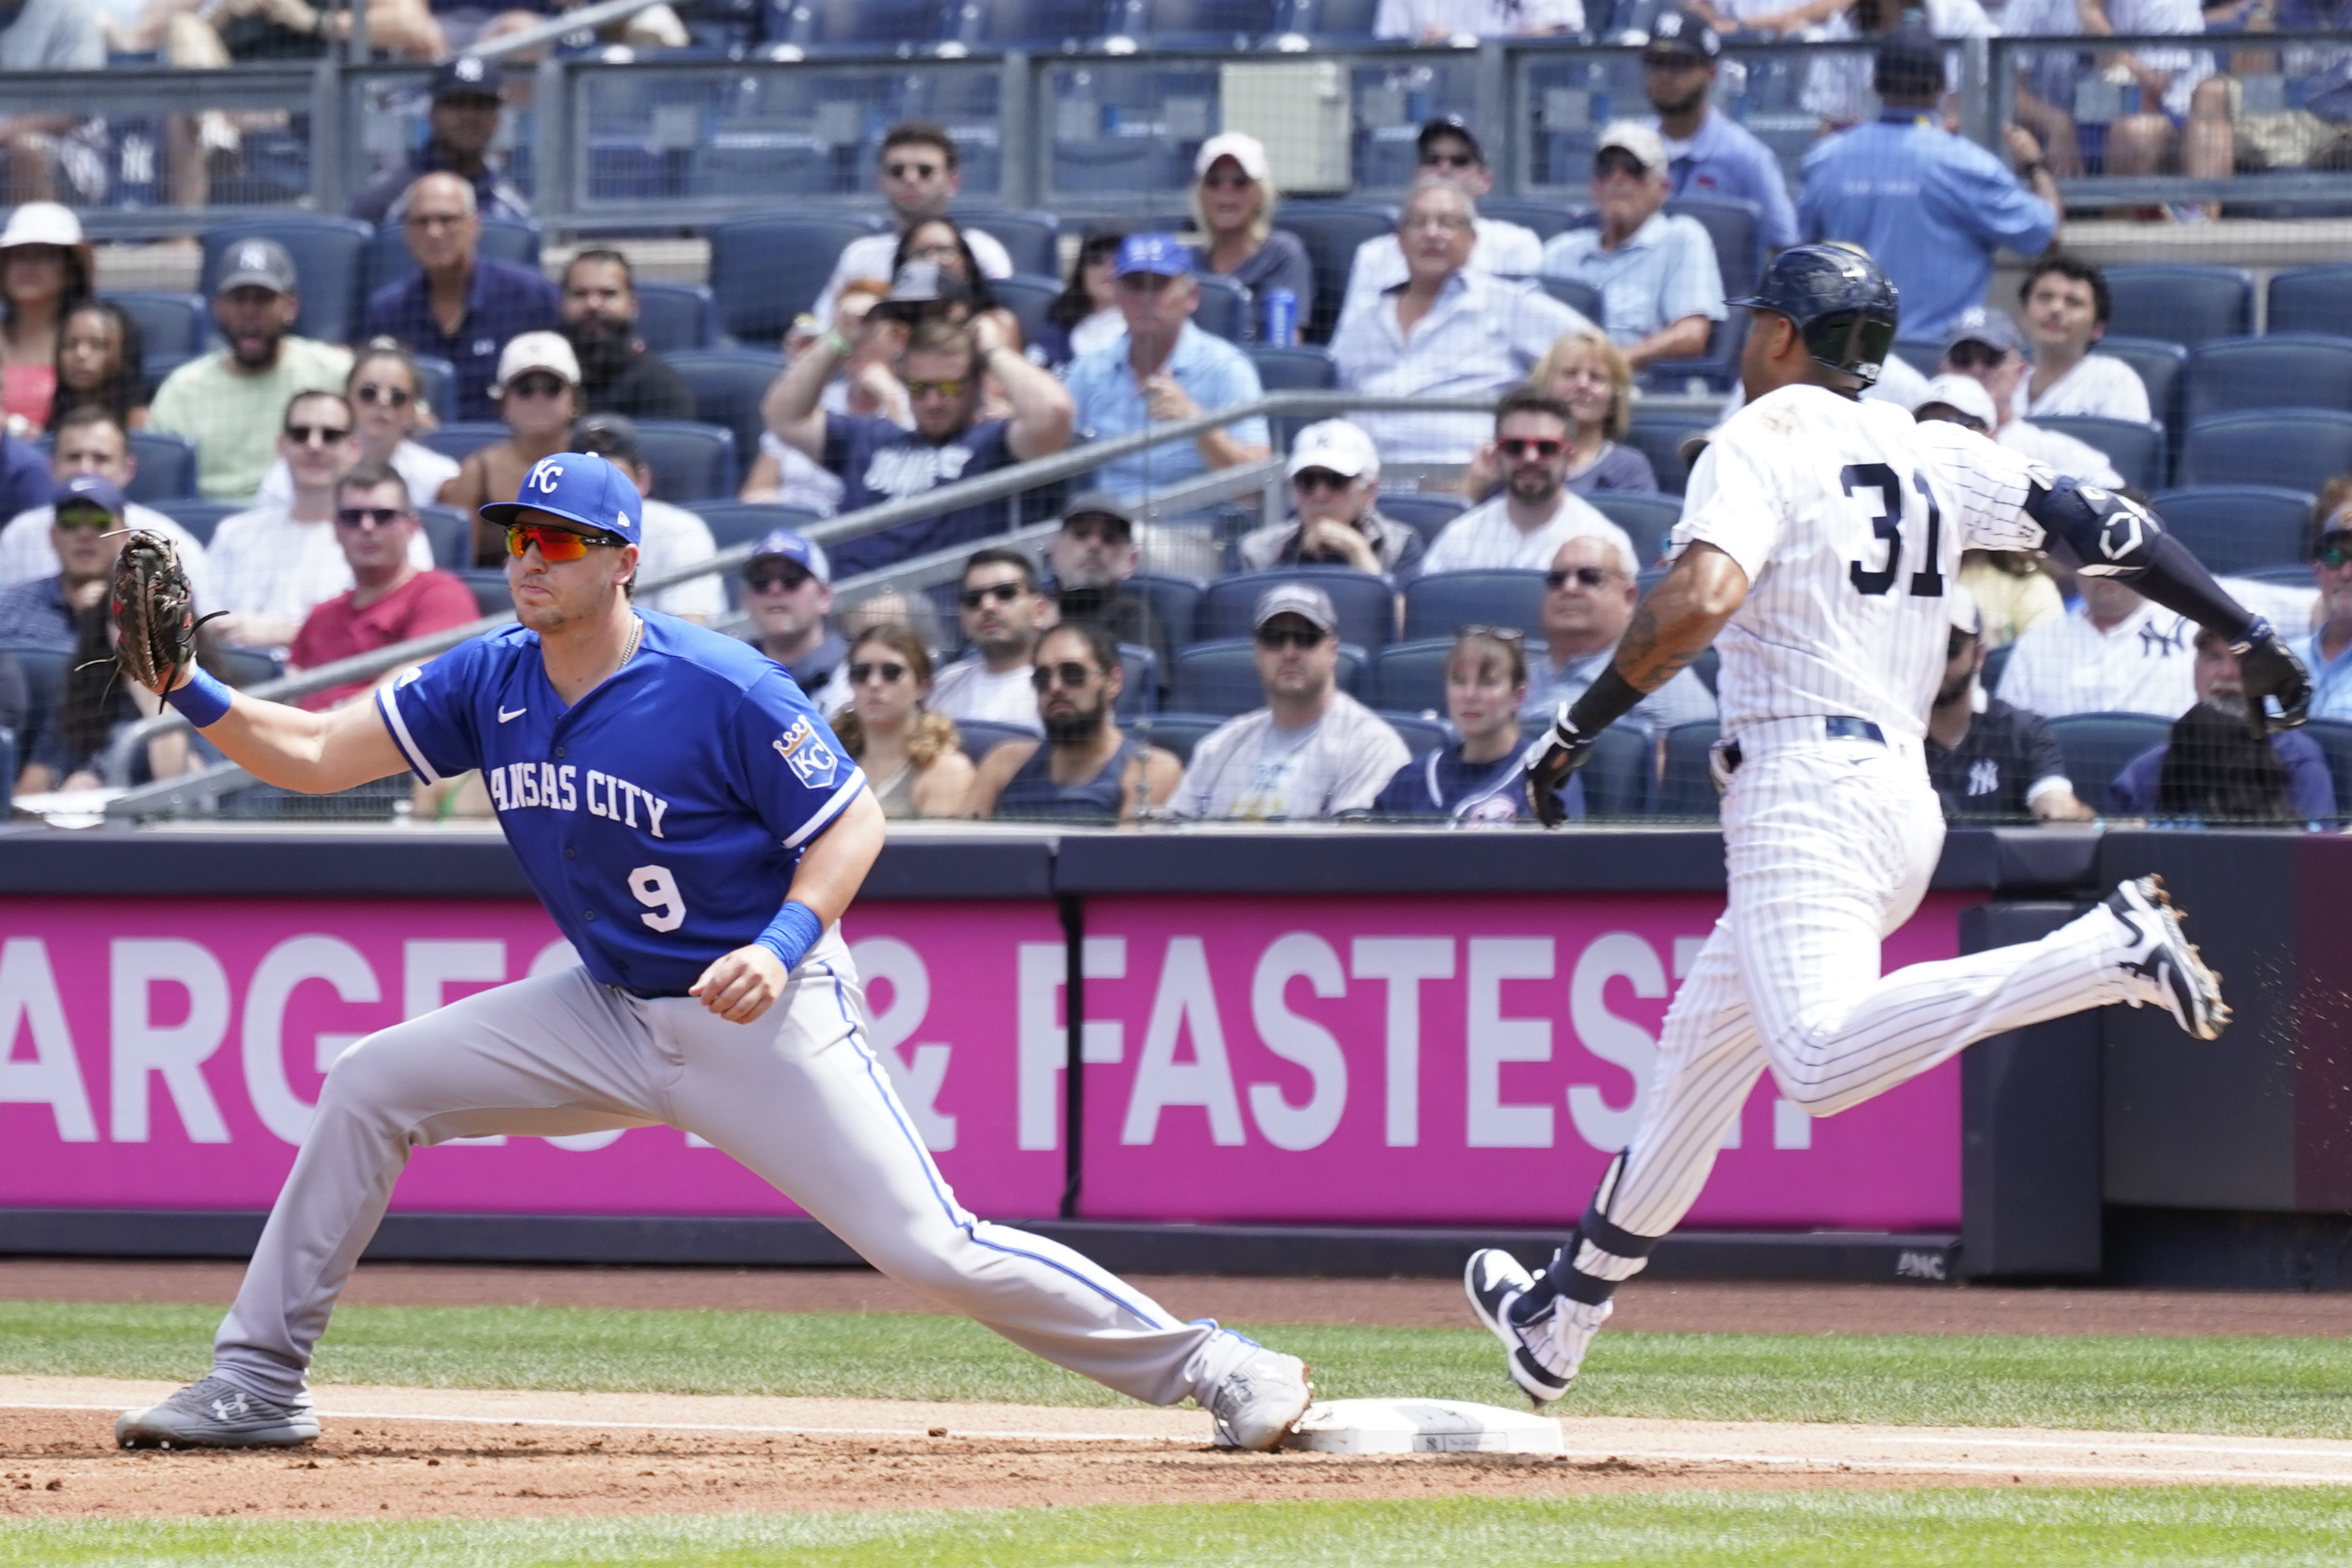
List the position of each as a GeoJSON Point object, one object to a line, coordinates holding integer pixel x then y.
{"type": "Point", "coordinates": [2331, 679]}
{"type": "Point", "coordinates": [1212, 372]}
{"type": "Point", "coordinates": [1664, 271]}
{"type": "Point", "coordinates": [1725, 162]}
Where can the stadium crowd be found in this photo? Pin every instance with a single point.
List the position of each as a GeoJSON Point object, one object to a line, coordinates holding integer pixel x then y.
{"type": "Point", "coordinates": [1441, 581]}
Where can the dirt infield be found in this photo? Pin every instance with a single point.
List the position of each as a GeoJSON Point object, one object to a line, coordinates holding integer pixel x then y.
{"type": "Point", "coordinates": [439, 1453]}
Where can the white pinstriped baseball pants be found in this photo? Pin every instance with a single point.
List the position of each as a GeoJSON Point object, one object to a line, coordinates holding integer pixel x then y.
{"type": "Point", "coordinates": [798, 1096]}
{"type": "Point", "coordinates": [1829, 846]}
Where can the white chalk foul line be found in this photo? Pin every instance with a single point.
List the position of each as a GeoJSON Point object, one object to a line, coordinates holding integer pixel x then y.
{"type": "Point", "coordinates": [1919, 1466]}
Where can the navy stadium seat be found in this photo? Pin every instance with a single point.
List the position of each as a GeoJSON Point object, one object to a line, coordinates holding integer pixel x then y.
{"type": "Point", "coordinates": [672, 318]}
{"type": "Point", "coordinates": [44, 670]}
{"type": "Point", "coordinates": [2162, 367]}
{"type": "Point", "coordinates": [859, 24]}
{"type": "Point", "coordinates": [2232, 528]}
{"type": "Point", "coordinates": [735, 522]}
{"type": "Point", "coordinates": [488, 584]}
{"type": "Point", "coordinates": [1410, 676]}
{"type": "Point", "coordinates": [1620, 776]}
{"type": "Point", "coordinates": [436, 383]}
{"type": "Point", "coordinates": [2181, 303]}
{"type": "Point", "coordinates": [1546, 218]}
{"type": "Point", "coordinates": [1224, 310]}
{"type": "Point", "coordinates": [167, 467]}
{"type": "Point", "coordinates": [444, 533]}
{"type": "Point", "coordinates": [2311, 300]}
{"type": "Point", "coordinates": [1128, 166]}
{"type": "Point", "coordinates": [155, 369]}
{"type": "Point", "coordinates": [2137, 450]}
{"type": "Point", "coordinates": [1718, 367]}
{"type": "Point", "coordinates": [389, 260]}
{"type": "Point", "coordinates": [200, 517]}
{"type": "Point", "coordinates": [2097, 745]}
{"type": "Point", "coordinates": [169, 323]}
{"type": "Point", "coordinates": [462, 437]}
{"type": "Point", "coordinates": [1421, 735]}
{"type": "Point", "coordinates": [1996, 659]}
{"type": "Point", "coordinates": [691, 461]}
{"type": "Point", "coordinates": [1687, 789]}
{"type": "Point", "coordinates": [1736, 228]}
{"type": "Point", "coordinates": [1196, 24]}
{"type": "Point", "coordinates": [1047, 24]}
{"type": "Point", "coordinates": [1427, 515]}
{"type": "Point", "coordinates": [329, 263]}
{"type": "Point", "coordinates": [768, 267]}
{"type": "Point", "coordinates": [1177, 732]}
{"type": "Point", "coordinates": [2333, 739]}
{"type": "Point", "coordinates": [2300, 449]}
{"type": "Point", "coordinates": [1440, 603]}
{"type": "Point", "coordinates": [981, 736]}
{"type": "Point", "coordinates": [2286, 370]}
{"type": "Point", "coordinates": [1331, 231]}
{"type": "Point", "coordinates": [728, 385]}
{"type": "Point", "coordinates": [1032, 240]}
{"type": "Point", "coordinates": [1333, 21]}
{"type": "Point", "coordinates": [1366, 604]}
{"type": "Point", "coordinates": [1301, 368]}
{"type": "Point", "coordinates": [1659, 436]}
{"type": "Point", "coordinates": [1582, 298]}
{"type": "Point", "coordinates": [1175, 602]}
{"type": "Point", "coordinates": [1138, 693]}
{"type": "Point", "coordinates": [1028, 296]}
{"type": "Point", "coordinates": [1222, 676]}
{"type": "Point", "coordinates": [1646, 519]}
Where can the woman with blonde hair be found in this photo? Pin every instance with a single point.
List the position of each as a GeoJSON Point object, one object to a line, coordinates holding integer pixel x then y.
{"type": "Point", "coordinates": [913, 758]}
{"type": "Point", "coordinates": [1233, 200]}
{"type": "Point", "coordinates": [1584, 370]}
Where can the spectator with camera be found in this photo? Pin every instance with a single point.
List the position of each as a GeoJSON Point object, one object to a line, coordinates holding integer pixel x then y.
{"type": "Point", "coordinates": [1335, 489]}
{"type": "Point", "coordinates": [1524, 527]}
{"type": "Point", "coordinates": [1476, 781]}
{"type": "Point", "coordinates": [1661, 290]}
{"type": "Point", "coordinates": [1589, 592]}
{"type": "Point", "coordinates": [1086, 769]}
{"type": "Point", "coordinates": [1986, 758]}
{"type": "Point", "coordinates": [2215, 767]}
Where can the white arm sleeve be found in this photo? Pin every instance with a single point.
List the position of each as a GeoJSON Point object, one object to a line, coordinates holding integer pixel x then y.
{"type": "Point", "coordinates": [1739, 492]}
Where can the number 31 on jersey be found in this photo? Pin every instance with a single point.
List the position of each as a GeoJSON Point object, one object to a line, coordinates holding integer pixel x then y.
{"type": "Point", "coordinates": [1928, 583]}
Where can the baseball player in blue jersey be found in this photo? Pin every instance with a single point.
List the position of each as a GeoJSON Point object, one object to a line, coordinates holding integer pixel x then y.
{"type": "Point", "coordinates": [696, 830]}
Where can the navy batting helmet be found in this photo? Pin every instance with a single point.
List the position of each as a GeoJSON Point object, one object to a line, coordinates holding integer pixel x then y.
{"type": "Point", "coordinates": [1841, 304]}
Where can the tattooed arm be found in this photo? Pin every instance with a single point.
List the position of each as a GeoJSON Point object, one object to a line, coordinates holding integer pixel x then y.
{"type": "Point", "coordinates": [1672, 625]}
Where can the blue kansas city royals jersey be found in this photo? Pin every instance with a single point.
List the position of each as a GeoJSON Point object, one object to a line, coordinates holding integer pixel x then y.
{"type": "Point", "coordinates": [659, 820]}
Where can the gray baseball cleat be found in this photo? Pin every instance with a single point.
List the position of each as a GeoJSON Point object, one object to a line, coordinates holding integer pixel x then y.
{"type": "Point", "coordinates": [2166, 966]}
{"type": "Point", "coordinates": [217, 1413]}
{"type": "Point", "coordinates": [1545, 1351]}
{"type": "Point", "coordinates": [1260, 1401]}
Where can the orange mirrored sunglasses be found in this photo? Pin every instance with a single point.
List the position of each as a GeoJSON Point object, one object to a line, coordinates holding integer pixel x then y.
{"type": "Point", "coordinates": [555, 543]}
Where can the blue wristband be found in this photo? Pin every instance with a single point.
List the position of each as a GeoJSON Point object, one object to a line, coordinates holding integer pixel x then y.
{"type": "Point", "coordinates": [202, 701]}
{"type": "Point", "coordinates": [791, 933]}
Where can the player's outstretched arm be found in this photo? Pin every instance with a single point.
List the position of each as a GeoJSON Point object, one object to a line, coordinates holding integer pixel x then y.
{"type": "Point", "coordinates": [310, 753]}
{"type": "Point", "coordinates": [742, 984]}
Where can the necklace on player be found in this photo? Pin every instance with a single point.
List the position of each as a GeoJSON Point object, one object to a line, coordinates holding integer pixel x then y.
{"type": "Point", "coordinates": [636, 633]}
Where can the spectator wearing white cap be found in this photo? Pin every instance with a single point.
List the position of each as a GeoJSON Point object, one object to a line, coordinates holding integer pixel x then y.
{"type": "Point", "coordinates": [1590, 591]}
{"type": "Point", "coordinates": [45, 270]}
{"type": "Point", "coordinates": [2010, 590]}
{"type": "Point", "coordinates": [1312, 751]}
{"type": "Point", "coordinates": [1984, 346]}
{"type": "Point", "coordinates": [1335, 487]}
{"type": "Point", "coordinates": [1524, 527]}
{"type": "Point", "coordinates": [538, 396]}
{"type": "Point", "coordinates": [1985, 757]}
{"type": "Point", "coordinates": [1661, 290]}
{"type": "Point", "coordinates": [1233, 200]}
{"type": "Point", "coordinates": [788, 589]}
{"type": "Point", "coordinates": [1446, 149]}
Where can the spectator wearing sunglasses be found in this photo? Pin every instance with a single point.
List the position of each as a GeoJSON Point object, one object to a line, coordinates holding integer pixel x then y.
{"type": "Point", "coordinates": [1524, 527]}
{"type": "Point", "coordinates": [273, 565]}
{"type": "Point", "coordinates": [911, 754]}
{"type": "Point", "coordinates": [1590, 591]}
{"type": "Point", "coordinates": [1335, 489]}
{"type": "Point", "coordinates": [2328, 653]}
{"type": "Point", "coordinates": [387, 394]}
{"type": "Point", "coordinates": [1445, 150]}
{"type": "Point", "coordinates": [918, 174]}
{"type": "Point", "coordinates": [1985, 347]}
{"type": "Point", "coordinates": [788, 592]}
{"type": "Point", "coordinates": [1092, 556]}
{"type": "Point", "coordinates": [675, 538]}
{"type": "Point", "coordinates": [1086, 769]}
{"type": "Point", "coordinates": [89, 440]}
{"type": "Point", "coordinates": [84, 538]}
{"type": "Point", "coordinates": [1234, 202]}
{"type": "Point", "coordinates": [1478, 779]}
{"type": "Point", "coordinates": [1661, 290]}
{"type": "Point", "coordinates": [1312, 751]}
{"type": "Point", "coordinates": [1002, 614]}
{"type": "Point", "coordinates": [538, 396]}
{"type": "Point", "coordinates": [391, 599]}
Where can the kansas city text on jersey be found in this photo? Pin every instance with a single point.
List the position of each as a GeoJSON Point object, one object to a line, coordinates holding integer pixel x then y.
{"type": "Point", "coordinates": [516, 786]}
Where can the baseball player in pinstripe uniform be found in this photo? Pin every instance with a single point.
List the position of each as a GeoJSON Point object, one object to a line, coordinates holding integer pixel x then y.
{"type": "Point", "coordinates": [1817, 538]}
{"type": "Point", "coordinates": [696, 831]}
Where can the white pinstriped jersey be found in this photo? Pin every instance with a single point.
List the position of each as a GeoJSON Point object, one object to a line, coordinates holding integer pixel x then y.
{"type": "Point", "coordinates": [1849, 519]}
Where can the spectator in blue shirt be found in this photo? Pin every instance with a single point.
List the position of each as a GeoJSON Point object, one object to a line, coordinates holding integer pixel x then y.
{"type": "Point", "coordinates": [24, 481]}
{"type": "Point", "coordinates": [2328, 653]}
{"type": "Point", "coordinates": [1661, 288]}
{"type": "Point", "coordinates": [1930, 207]}
{"type": "Point", "coordinates": [462, 123]}
{"type": "Point", "coordinates": [1163, 369]}
{"type": "Point", "coordinates": [463, 306]}
{"type": "Point", "coordinates": [1709, 155]}
{"type": "Point", "coordinates": [1477, 779]}
{"type": "Point", "coordinates": [2214, 768]}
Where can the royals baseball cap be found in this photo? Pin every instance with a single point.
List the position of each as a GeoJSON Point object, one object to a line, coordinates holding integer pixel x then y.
{"type": "Point", "coordinates": [256, 263]}
{"type": "Point", "coordinates": [1637, 142]}
{"type": "Point", "coordinates": [1246, 151]}
{"type": "Point", "coordinates": [1162, 255]}
{"type": "Point", "coordinates": [579, 487]}
{"type": "Point", "coordinates": [1337, 445]}
{"type": "Point", "coordinates": [782, 543]}
{"type": "Point", "coordinates": [1963, 395]}
{"type": "Point", "coordinates": [468, 76]}
{"type": "Point", "coordinates": [1681, 36]}
{"type": "Point", "coordinates": [1308, 603]}
{"type": "Point", "coordinates": [1978, 325]}
{"type": "Point", "coordinates": [87, 491]}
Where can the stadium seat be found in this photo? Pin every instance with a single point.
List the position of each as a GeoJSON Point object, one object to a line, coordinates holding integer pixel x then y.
{"type": "Point", "coordinates": [1130, 167]}
{"type": "Point", "coordinates": [1736, 228]}
{"type": "Point", "coordinates": [1686, 791]}
{"type": "Point", "coordinates": [728, 385]}
{"type": "Point", "coordinates": [1410, 676]}
{"type": "Point", "coordinates": [169, 323]}
{"type": "Point", "coordinates": [2097, 745]}
{"type": "Point", "coordinates": [1331, 231]}
{"type": "Point", "coordinates": [2333, 739]}
{"type": "Point", "coordinates": [44, 670]}
{"type": "Point", "coordinates": [1028, 296]}
{"type": "Point", "coordinates": [1718, 367]}
{"type": "Point", "coordinates": [1177, 732]}
{"type": "Point", "coordinates": [389, 260]}
{"type": "Point", "coordinates": [749, 166]}
{"type": "Point", "coordinates": [734, 523]}
{"type": "Point", "coordinates": [2286, 370]}
{"type": "Point", "coordinates": [1427, 515]}
{"type": "Point", "coordinates": [1221, 677]}
{"type": "Point", "coordinates": [2300, 449]}
{"type": "Point", "coordinates": [243, 666]}
{"type": "Point", "coordinates": [1366, 604]}
{"type": "Point", "coordinates": [1421, 735]}
{"type": "Point", "coordinates": [1996, 659]}
{"type": "Point", "coordinates": [768, 267]}
{"type": "Point", "coordinates": [2162, 368]}
{"type": "Point", "coordinates": [444, 532]}
{"type": "Point", "coordinates": [1333, 21]}
{"type": "Point", "coordinates": [1441, 604]}
{"type": "Point", "coordinates": [1044, 25]}
{"type": "Point", "coordinates": [1196, 24]}
{"type": "Point", "coordinates": [2311, 300]}
{"type": "Point", "coordinates": [436, 383]}
{"type": "Point", "coordinates": [1224, 310]}
{"type": "Point", "coordinates": [1658, 437]}
{"type": "Point", "coordinates": [1546, 218]}
{"type": "Point", "coordinates": [155, 369]}
{"type": "Point", "coordinates": [2231, 528]}
{"type": "Point", "coordinates": [859, 24]}
{"type": "Point", "coordinates": [328, 260]}
{"type": "Point", "coordinates": [488, 584]}
{"type": "Point", "coordinates": [1582, 298]}
{"type": "Point", "coordinates": [2181, 303]}
{"type": "Point", "coordinates": [672, 318]}
{"type": "Point", "coordinates": [2137, 450]}
{"type": "Point", "coordinates": [1646, 519]}
{"type": "Point", "coordinates": [1032, 240]}
{"type": "Point", "coordinates": [167, 467]}
{"type": "Point", "coordinates": [462, 437]}
{"type": "Point", "coordinates": [1303, 368]}
{"type": "Point", "coordinates": [1175, 602]}
{"type": "Point", "coordinates": [1138, 693]}
{"type": "Point", "coordinates": [691, 461]}
{"type": "Point", "coordinates": [1619, 778]}
{"type": "Point", "coordinates": [981, 736]}
{"type": "Point", "coordinates": [200, 517]}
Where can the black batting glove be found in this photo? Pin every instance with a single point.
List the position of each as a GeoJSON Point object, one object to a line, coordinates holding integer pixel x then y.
{"type": "Point", "coordinates": [2268, 668]}
{"type": "Point", "coordinates": [1557, 752]}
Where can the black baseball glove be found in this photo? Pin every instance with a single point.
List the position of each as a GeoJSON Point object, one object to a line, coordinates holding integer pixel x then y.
{"type": "Point", "coordinates": [1556, 754]}
{"type": "Point", "coordinates": [2268, 668]}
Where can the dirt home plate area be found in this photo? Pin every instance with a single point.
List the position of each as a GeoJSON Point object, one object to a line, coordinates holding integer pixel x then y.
{"type": "Point", "coordinates": [416, 1453]}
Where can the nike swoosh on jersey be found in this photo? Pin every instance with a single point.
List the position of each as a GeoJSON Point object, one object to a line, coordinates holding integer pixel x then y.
{"type": "Point", "coordinates": [504, 716]}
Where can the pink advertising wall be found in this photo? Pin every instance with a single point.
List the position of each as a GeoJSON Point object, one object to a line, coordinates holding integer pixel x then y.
{"type": "Point", "coordinates": [1393, 1060]}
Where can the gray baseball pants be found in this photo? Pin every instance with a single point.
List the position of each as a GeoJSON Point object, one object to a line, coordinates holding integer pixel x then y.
{"type": "Point", "coordinates": [798, 1096]}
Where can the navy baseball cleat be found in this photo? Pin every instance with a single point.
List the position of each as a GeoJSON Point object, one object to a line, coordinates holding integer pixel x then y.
{"type": "Point", "coordinates": [1260, 1401]}
{"type": "Point", "coordinates": [1545, 1353]}
{"type": "Point", "coordinates": [2164, 965]}
{"type": "Point", "coordinates": [217, 1413]}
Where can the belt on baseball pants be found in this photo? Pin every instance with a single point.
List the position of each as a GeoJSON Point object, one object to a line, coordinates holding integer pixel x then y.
{"type": "Point", "coordinates": [1831, 727]}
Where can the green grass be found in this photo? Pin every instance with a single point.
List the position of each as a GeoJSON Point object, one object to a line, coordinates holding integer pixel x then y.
{"type": "Point", "coordinates": [1691, 1530]}
{"type": "Point", "coordinates": [2288, 1387]}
